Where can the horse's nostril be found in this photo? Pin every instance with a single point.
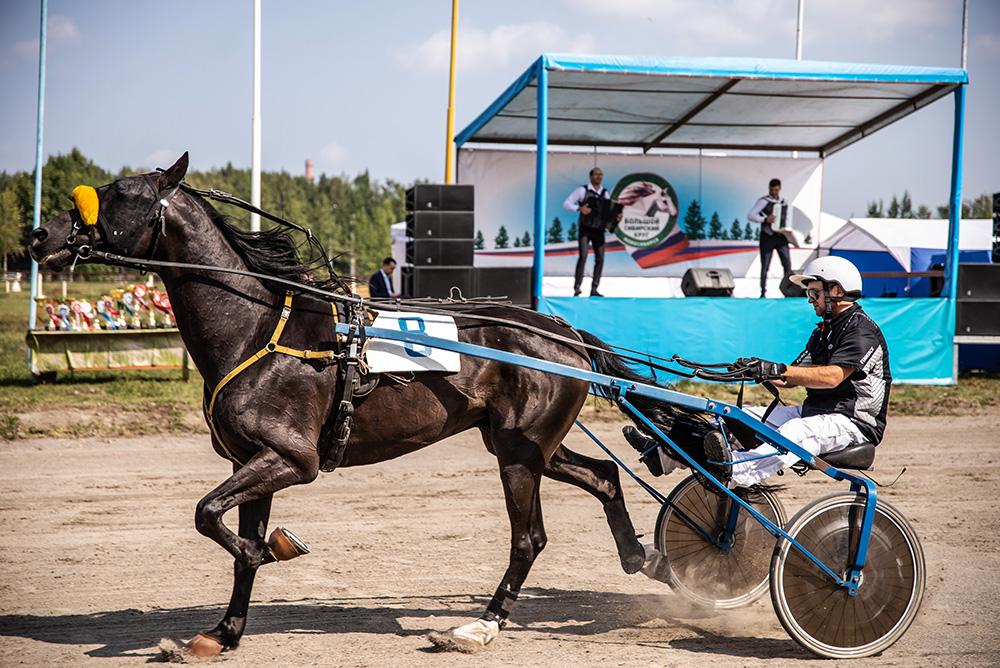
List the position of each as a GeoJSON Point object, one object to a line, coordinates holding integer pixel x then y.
{"type": "Point", "coordinates": [40, 234]}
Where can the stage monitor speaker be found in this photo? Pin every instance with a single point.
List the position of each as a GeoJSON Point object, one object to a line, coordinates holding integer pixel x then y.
{"type": "Point", "coordinates": [440, 225]}
{"type": "Point", "coordinates": [440, 198]}
{"type": "Point", "coordinates": [977, 318]}
{"type": "Point", "coordinates": [996, 228]}
{"type": "Point", "coordinates": [514, 283]}
{"type": "Point", "coordinates": [979, 282]}
{"type": "Point", "coordinates": [436, 281]}
{"type": "Point", "coordinates": [790, 289]}
{"type": "Point", "coordinates": [699, 282]}
{"type": "Point", "coordinates": [440, 252]}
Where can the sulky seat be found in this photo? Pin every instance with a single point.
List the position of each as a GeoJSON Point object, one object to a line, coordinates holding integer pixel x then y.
{"type": "Point", "coordinates": [857, 457]}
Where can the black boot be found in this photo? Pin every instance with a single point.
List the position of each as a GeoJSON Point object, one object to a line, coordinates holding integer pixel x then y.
{"type": "Point", "coordinates": [717, 452]}
{"type": "Point", "coordinates": [641, 443]}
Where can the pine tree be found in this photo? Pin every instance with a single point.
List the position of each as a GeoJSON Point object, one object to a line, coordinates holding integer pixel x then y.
{"type": "Point", "coordinates": [874, 209]}
{"type": "Point", "coordinates": [735, 231]}
{"type": "Point", "coordinates": [502, 239]}
{"type": "Point", "coordinates": [480, 242]}
{"type": "Point", "coordinates": [517, 242]}
{"type": "Point", "coordinates": [526, 240]}
{"type": "Point", "coordinates": [715, 227]}
{"type": "Point", "coordinates": [906, 206]}
{"type": "Point", "coordinates": [12, 225]}
{"type": "Point", "coordinates": [694, 221]}
{"type": "Point", "coordinates": [555, 234]}
{"type": "Point", "coordinates": [923, 212]}
{"type": "Point", "coordinates": [756, 234]}
{"type": "Point", "coordinates": [893, 211]}
{"type": "Point", "coordinates": [748, 232]}
{"type": "Point", "coordinates": [572, 233]}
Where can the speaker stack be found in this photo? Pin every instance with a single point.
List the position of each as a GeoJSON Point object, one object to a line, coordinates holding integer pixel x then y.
{"type": "Point", "coordinates": [978, 312]}
{"type": "Point", "coordinates": [703, 282]}
{"type": "Point", "coordinates": [440, 224]}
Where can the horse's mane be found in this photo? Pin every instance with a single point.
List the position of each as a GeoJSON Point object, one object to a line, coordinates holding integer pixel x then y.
{"type": "Point", "coordinates": [273, 252]}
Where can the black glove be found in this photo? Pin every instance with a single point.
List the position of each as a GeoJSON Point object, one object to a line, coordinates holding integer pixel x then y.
{"type": "Point", "coordinates": [762, 370]}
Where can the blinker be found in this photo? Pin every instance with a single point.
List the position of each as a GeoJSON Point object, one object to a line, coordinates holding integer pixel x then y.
{"type": "Point", "coordinates": [87, 203]}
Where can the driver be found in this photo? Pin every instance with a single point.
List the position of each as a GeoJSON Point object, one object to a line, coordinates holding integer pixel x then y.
{"type": "Point", "coordinates": [844, 368]}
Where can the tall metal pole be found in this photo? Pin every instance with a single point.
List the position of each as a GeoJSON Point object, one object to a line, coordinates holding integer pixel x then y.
{"type": "Point", "coordinates": [541, 181]}
{"type": "Point", "coordinates": [965, 34]}
{"type": "Point", "coordinates": [36, 218]}
{"type": "Point", "coordinates": [255, 121]}
{"type": "Point", "coordinates": [449, 153]}
{"type": "Point", "coordinates": [955, 201]}
{"type": "Point", "coordinates": [798, 31]}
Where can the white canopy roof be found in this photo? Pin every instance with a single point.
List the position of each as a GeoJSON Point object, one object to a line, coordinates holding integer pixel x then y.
{"type": "Point", "coordinates": [732, 103]}
{"type": "Point", "coordinates": [898, 235]}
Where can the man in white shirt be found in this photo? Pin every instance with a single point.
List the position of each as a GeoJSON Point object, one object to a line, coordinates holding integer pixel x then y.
{"type": "Point", "coordinates": [585, 200]}
{"type": "Point", "coordinates": [380, 284]}
{"type": "Point", "coordinates": [770, 240]}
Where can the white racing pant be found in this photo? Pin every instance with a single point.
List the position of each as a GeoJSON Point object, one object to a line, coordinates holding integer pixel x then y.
{"type": "Point", "coordinates": [818, 434]}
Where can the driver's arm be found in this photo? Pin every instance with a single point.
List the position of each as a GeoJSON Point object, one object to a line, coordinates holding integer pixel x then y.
{"type": "Point", "coordinates": [816, 377]}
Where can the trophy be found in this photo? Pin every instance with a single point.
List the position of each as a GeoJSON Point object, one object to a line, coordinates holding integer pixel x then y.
{"type": "Point", "coordinates": [54, 324]}
{"type": "Point", "coordinates": [140, 298]}
{"type": "Point", "coordinates": [81, 323]}
{"type": "Point", "coordinates": [162, 302]}
{"type": "Point", "coordinates": [105, 311]}
{"type": "Point", "coordinates": [64, 323]}
{"type": "Point", "coordinates": [130, 308]}
{"type": "Point", "coordinates": [88, 312]}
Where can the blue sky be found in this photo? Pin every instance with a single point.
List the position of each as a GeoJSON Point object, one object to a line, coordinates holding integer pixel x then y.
{"type": "Point", "coordinates": [363, 85]}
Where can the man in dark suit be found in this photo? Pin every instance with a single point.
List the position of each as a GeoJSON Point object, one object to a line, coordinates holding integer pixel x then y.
{"type": "Point", "coordinates": [380, 284]}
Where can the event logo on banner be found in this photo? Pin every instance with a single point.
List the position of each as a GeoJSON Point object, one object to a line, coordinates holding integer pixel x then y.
{"type": "Point", "coordinates": [649, 209]}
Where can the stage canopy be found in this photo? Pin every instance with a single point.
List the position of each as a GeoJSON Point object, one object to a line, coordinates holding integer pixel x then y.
{"type": "Point", "coordinates": [716, 103]}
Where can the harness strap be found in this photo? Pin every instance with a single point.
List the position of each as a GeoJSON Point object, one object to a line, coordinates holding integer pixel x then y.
{"type": "Point", "coordinates": [272, 346]}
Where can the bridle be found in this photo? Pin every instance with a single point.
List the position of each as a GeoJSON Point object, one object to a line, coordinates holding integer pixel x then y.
{"type": "Point", "coordinates": [121, 241]}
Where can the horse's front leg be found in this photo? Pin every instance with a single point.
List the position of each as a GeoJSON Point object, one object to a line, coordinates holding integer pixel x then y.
{"type": "Point", "coordinates": [251, 488]}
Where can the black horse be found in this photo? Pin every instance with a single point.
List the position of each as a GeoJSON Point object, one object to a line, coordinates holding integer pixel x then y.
{"type": "Point", "coordinates": [274, 419]}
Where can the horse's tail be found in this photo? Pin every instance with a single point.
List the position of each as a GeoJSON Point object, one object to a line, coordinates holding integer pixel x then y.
{"type": "Point", "coordinates": [683, 426]}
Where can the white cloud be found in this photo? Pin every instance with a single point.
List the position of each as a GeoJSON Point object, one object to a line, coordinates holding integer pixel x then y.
{"type": "Point", "coordinates": [61, 31]}
{"type": "Point", "coordinates": [163, 157]}
{"type": "Point", "coordinates": [498, 48]}
{"type": "Point", "coordinates": [333, 155]}
{"type": "Point", "coordinates": [697, 26]}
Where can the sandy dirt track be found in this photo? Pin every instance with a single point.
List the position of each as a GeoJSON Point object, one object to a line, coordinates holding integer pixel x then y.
{"type": "Point", "coordinates": [100, 559]}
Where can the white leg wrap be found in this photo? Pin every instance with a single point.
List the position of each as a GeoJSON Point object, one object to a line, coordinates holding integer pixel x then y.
{"type": "Point", "coordinates": [480, 632]}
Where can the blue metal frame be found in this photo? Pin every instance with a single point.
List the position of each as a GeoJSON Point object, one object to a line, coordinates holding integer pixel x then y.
{"type": "Point", "coordinates": [620, 390]}
{"type": "Point", "coordinates": [541, 180]}
{"type": "Point", "coordinates": [955, 208]}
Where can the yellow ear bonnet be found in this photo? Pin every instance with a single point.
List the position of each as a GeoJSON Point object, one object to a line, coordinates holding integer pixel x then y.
{"type": "Point", "coordinates": [87, 204]}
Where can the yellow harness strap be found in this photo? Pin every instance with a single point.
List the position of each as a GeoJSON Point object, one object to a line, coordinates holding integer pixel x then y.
{"type": "Point", "coordinates": [272, 347]}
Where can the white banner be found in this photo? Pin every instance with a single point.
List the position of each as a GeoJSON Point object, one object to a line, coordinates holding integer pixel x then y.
{"type": "Point", "coordinates": [680, 211]}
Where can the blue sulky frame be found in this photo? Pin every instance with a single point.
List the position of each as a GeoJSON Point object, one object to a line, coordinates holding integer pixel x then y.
{"type": "Point", "coordinates": [620, 391]}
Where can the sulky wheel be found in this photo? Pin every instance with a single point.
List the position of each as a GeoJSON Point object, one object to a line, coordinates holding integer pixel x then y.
{"type": "Point", "coordinates": [701, 570]}
{"type": "Point", "coordinates": [820, 615]}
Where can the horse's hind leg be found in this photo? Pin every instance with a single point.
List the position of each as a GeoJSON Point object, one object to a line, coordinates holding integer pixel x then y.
{"type": "Point", "coordinates": [521, 468]}
{"type": "Point", "coordinates": [600, 478]}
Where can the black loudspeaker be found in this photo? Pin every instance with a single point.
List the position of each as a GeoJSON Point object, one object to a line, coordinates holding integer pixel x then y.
{"type": "Point", "coordinates": [790, 289]}
{"type": "Point", "coordinates": [440, 225]}
{"type": "Point", "coordinates": [996, 228]}
{"type": "Point", "coordinates": [977, 318]}
{"type": "Point", "coordinates": [698, 282]}
{"type": "Point", "coordinates": [979, 282]}
{"type": "Point", "coordinates": [514, 283]}
{"type": "Point", "coordinates": [440, 198]}
{"type": "Point", "coordinates": [440, 252]}
{"type": "Point", "coordinates": [436, 281]}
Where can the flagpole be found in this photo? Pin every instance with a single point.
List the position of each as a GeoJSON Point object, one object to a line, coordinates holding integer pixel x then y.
{"type": "Point", "coordinates": [449, 153]}
{"type": "Point", "coordinates": [255, 122]}
{"type": "Point", "coordinates": [36, 218]}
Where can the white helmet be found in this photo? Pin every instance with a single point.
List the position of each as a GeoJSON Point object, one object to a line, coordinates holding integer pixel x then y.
{"type": "Point", "coordinates": [831, 269]}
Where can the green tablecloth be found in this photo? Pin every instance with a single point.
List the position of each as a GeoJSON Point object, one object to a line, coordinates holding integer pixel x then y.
{"type": "Point", "coordinates": [107, 350]}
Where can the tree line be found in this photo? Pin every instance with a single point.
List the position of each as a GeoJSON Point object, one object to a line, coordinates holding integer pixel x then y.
{"type": "Point", "coordinates": [902, 207]}
{"type": "Point", "coordinates": [344, 213]}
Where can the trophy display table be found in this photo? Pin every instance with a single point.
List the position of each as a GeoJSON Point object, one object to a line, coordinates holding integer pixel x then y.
{"type": "Point", "coordinates": [107, 350]}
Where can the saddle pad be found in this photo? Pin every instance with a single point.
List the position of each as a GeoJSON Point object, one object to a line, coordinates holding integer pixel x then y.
{"type": "Point", "coordinates": [395, 356]}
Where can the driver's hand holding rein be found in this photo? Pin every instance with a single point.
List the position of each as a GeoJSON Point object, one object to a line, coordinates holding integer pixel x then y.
{"type": "Point", "coordinates": [844, 368]}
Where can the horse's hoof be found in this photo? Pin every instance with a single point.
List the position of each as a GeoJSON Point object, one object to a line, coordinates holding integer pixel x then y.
{"type": "Point", "coordinates": [467, 639]}
{"type": "Point", "coordinates": [203, 646]}
{"type": "Point", "coordinates": [285, 545]}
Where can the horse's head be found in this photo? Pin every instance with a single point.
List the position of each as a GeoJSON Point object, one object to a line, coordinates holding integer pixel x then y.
{"type": "Point", "coordinates": [122, 217]}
